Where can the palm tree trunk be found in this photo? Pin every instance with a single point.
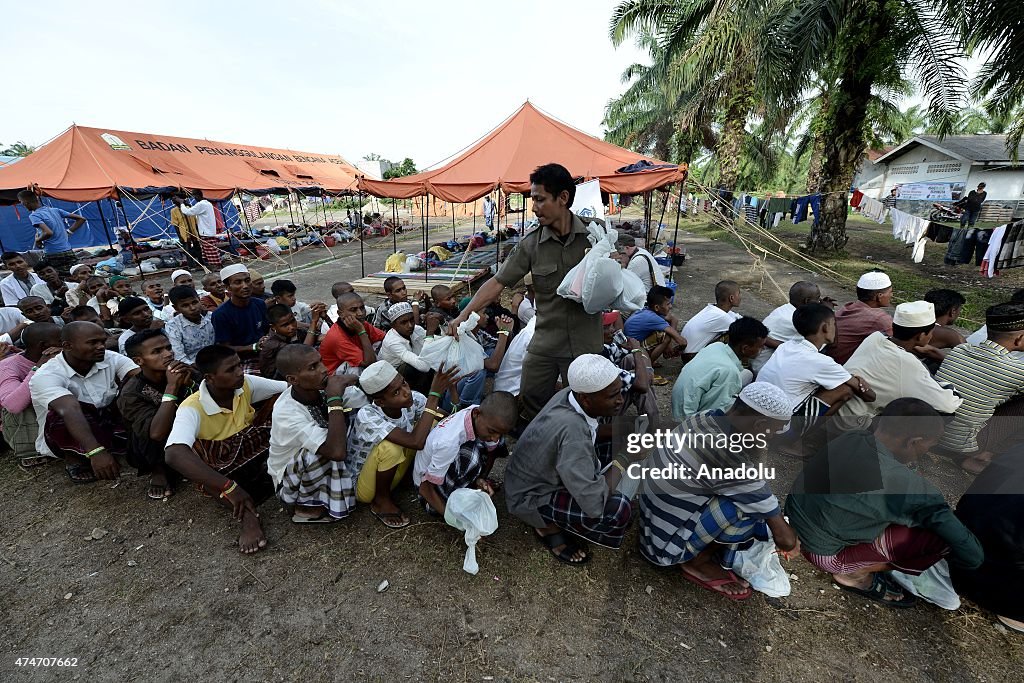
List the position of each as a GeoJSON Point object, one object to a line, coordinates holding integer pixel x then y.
{"type": "Point", "coordinates": [817, 147]}
{"type": "Point", "coordinates": [730, 142]}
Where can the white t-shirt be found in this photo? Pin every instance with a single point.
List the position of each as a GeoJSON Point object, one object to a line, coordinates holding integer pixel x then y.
{"type": "Point", "coordinates": [14, 290]}
{"type": "Point", "coordinates": [44, 293]}
{"type": "Point", "coordinates": [780, 328]}
{"type": "Point", "coordinates": [206, 219]}
{"type": "Point", "coordinates": [510, 372]}
{"type": "Point", "coordinates": [799, 369]}
{"type": "Point", "coordinates": [442, 447]}
{"type": "Point", "coordinates": [371, 425]}
{"type": "Point", "coordinates": [10, 318]}
{"type": "Point", "coordinates": [56, 379]}
{"type": "Point", "coordinates": [296, 428]}
{"type": "Point", "coordinates": [526, 311]}
{"type": "Point", "coordinates": [185, 430]}
{"type": "Point", "coordinates": [396, 349]}
{"type": "Point", "coordinates": [705, 327]}
{"type": "Point", "coordinates": [638, 265]}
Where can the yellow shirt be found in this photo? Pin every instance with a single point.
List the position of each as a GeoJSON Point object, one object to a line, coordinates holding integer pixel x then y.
{"type": "Point", "coordinates": [200, 417]}
{"type": "Point", "coordinates": [186, 226]}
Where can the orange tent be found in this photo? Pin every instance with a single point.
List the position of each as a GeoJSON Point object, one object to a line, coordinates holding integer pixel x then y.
{"type": "Point", "coordinates": [85, 164]}
{"type": "Point", "coordinates": [507, 155]}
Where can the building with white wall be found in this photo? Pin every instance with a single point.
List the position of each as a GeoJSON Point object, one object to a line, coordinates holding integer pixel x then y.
{"type": "Point", "coordinates": [949, 168]}
{"type": "Point", "coordinates": [376, 168]}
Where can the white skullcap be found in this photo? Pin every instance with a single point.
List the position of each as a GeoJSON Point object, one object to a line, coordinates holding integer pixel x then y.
{"type": "Point", "coordinates": [915, 314]}
{"type": "Point", "coordinates": [591, 373]}
{"type": "Point", "coordinates": [178, 273]}
{"type": "Point", "coordinates": [75, 267]}
{"type": "Point", "coordinates": [228, 271]}
{"type": "Point", "coordinates": [769, 400]}
{"type": "Point", "coordinates": [377, 376]}
{"type": "Point", "coordinates": [874, 280]}
{"type": "Point", "coordinates": [398, 310]}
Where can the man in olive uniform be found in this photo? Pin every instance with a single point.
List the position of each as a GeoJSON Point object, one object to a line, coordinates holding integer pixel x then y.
{"type": "Point", "coordinates": [564, 330]}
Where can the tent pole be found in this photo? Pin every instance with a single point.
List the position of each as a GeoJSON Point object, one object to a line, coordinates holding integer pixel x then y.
{"type": "Point", "coordinates": [664, 208]}
{"type": "Point", "coordinates": [131, 237]}
{"type": "Point", "coordinates": [362, 261]}
{"type": "Point", "coordinates": [675, 234]}
{"type": "Point", "coordinates": [106, 228]}
{"type": "Point", "coordinates": [394, 224]}
{"type": "Point", "coordinates": [497, 242]}
{"type": "Point", "coordinates": [426, 237]}
{"type": "Point", "coordinates": [453, 219]}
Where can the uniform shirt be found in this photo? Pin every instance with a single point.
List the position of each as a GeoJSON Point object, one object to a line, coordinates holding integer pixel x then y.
{"type": "Point", "coordinates": [200, 416]}
{"type": "Point", "coordinates": [643, 265]}
{"type": "Point", "coordinates": [854, 322]}
{"type": "Point", "coordinates": [240, 325]}
{"type": "Point", "coordinates": [371, 425]}
{"type": "Point", "coordinates": [705, 327]}
{"type": "Point", "coordinates": [206, 219]}
{"type": "Point", "coordinates": [55, 219]}
{"type": "Point", "coordinates": [187, 337]}
{"type": "Point", "coordinates": [799, 369]}
{"type": "Point", "coordinates": [14, 290]}
{"type": "Point", "coordinates": [510, 372]}
{"type": "Point", "coordinates": [985, 376]}
{"type": "Point", "coordinates": [780, 328]}
{"type": "Point", "coordinates": [708, 382]}
{"type": "Point", "coordinates": [565, 330]}
{"type": "Point", "coordinates": [892, 373]}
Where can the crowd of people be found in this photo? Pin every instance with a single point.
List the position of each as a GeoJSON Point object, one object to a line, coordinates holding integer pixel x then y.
{"type": "Point", "coordinates": [249, 394]}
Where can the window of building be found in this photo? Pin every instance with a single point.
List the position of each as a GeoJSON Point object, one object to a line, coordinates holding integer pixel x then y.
{"type": "Point", "coordinates": [952, 167]}
{"type": "Point", "coordinates": [905, 170]}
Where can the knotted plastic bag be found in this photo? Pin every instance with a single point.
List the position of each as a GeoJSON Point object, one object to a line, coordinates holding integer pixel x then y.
{"type": "Point", "coordinates": [596, 282]}
{"type": "Point", "coordinates": [462, 351]}
{"type": "Point", "coordinates": [472, 511]}
{"type": "Point", "coordinates": [760, 566]}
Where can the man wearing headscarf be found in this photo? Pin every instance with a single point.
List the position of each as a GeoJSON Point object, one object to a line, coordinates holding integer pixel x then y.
{"type": "Point", "coordinates": [556, 482]}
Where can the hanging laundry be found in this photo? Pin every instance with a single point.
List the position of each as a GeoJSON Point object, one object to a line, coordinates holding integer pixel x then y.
{"type": "Point", "coordinates": [801, 204]}
{"type": "Point", "coordinates": [938, 233]}
{"type": "Point", "coordinates": [750, 213]}
{"type": "Point", "coordinates": [917, 255]}
{"type": "Point", "coordinates": [910, 229]}
{"type": "Point", "coordinates": [1011, 251]}
{"type": "Point", "coordinates": [995, 245]}
{"type": "Point", "coordinates": [873, 209]}
{"type": "Point", "coordinates": [855, 198]}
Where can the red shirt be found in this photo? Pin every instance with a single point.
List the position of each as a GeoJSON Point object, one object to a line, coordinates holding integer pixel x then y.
{"type": "Point", "coordinates": [854, 322]}
{"type": "Point", "coordinates": [339, 346]}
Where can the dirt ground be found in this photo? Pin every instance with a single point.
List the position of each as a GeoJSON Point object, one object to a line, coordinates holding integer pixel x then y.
{"type": "Point", "coordinates": [163, 593]}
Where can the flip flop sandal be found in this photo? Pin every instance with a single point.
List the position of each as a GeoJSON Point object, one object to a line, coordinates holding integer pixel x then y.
{"type": "Point", "coordinates": [31, 461]}
{"type": "Point", "coordinates": [1011, 624]}
{"type": "Point", "coordinates": [80, 474]}
{"type": "Point", "coordinates": [324, 518]}
{"type": "Point", "coordinates": [659, 381]}
{"type": "Point", "coordinates": [168, 492]}
{"type": "Point", "coordinates": [384, 517]}
{"type": "Point", "coordinates": [714, 584]}
{"type": "Point", "coordinates": [552, 541]}
{"type": "Point", "coordinates": [881, 586]}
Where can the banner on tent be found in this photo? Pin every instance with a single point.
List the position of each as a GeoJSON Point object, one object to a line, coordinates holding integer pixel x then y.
{"type": "Point", "coordinates": [588, 202]}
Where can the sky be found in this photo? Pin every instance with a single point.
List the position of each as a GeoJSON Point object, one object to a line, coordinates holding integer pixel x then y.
{"type": "Point", "coordinates": [400, 78]}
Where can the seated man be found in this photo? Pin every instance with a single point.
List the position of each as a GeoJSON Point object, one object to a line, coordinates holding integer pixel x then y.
{"type": "Point", "coordinates": [78, 275]}
{"type": "Point", "coordinates": [219, 442]}
{"type": "Point", "coordinates": [54, 290]}
{"type": "Point", "coordinates": [308, 317]}
{"type": "Point", "coordinates": [652, 327]}
{"type": "Point", "coordinates": [630, 355]}
{"type": "Point", "coordinates": [183, 278]}
{"type": "Point", "coordinates": [948, 304]}
{"type": "Point", "coordinates": [460, 450]}
{"type": "Point", "coordinates": [556, 482]}
{"type": "Point", "coordinates": [87, 314]}
{"type": "Point", "coordinates": [351, 339]}
{"type": "Point", "coordinates": [148, 402]}
{"type": "Point", "coordinates": [861, 512]}
{"type": "Point", "coordinates": [397, 293]}
{"type": "Point", "coordinates": [192, 329]}
{"type": "Point", "coordinates": [308, 458]}
{"type": "Point", "coordinates": [699, 520]}
{"type": "Point", "coordinates": [713, 321]}
{"type": "Point", "coordinates": [136, 316]}
{"type": "Point", "coordinates": [337, 289]}
{"type": "Point", "coordinates": [780, 321]}
{"type": "Point", "coordinates": [402, 346]}
{"type": "Point", "coordinates": [284, 330]}
{"type": "Point", "coordinates": [20, 282]}
{"type": "Point", "coordinates": [20, 426]}
{"type": "Point", "coordinates": [889, 366]}
{"type": "Point", "coordinates": [240, 322]}
{"type": "Point", "coordinates": [981, 334]}
{"type": "Point", "coordinates": [715, 375]}
{"type": "Point", "coordinates": [216, 292]}
{"type": "Point", "coordinates": [993, 510]}
{"type": "Point", "coordinates": [387, 432]}
{"type": "Point", "coordinates": [815, 384]}
{"type": "Point", "coordinates": [990, 381]}
{"type": "Point", "coordinates": [858, 319]}
{"type": "Point", "coordinates": [36, 311]}
{"type": "Point", "coordinates": [157, 302]}
{"type": "Point", "coordinates": [73, 396]}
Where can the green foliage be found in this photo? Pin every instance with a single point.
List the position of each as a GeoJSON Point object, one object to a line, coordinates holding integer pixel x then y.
{"type": "Point", "coordinates": [406, 168]}
{"type": "Point", "coordinates": [18, 149]}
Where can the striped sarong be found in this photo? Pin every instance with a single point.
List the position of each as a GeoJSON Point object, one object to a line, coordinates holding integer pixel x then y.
{"type": "Point", "coordinates": [910, 550]}
{"type": "Point", "coordinates": [314, 481]}
{"type": "Point", "coordinates": [211, 253]}
{"type": "Point", "coordinates": [718, 520]}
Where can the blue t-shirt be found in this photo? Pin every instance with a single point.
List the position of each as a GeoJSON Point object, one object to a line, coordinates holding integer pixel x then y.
{"type": "Point", "coordinates": [237, 326]}
{"type": "Point", "coordinates": [643, 324]}
{"type": "Point", "coordinates": [54, 219]}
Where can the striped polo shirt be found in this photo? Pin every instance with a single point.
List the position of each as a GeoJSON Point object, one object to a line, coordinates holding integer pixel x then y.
{"type": "Point", "coordinates": [985, 376]}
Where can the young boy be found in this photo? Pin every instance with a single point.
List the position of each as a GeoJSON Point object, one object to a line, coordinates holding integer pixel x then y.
{"type": "Point", "coordinates": [158, 304]}
{"type": "Point", "coordinates": [192, 329]}
{"type": "Point", "coordinates": [147, 403]}
{"type": "Point", "coordinates": [652, 327]}
{"type": "Point", "coordinates": [351, 339]}
{"type": "Point", "coordinates": [54, 290]}
{"type": "Point", "coordinates": [20, 282]}
{"type": "Point", "coordinates": [308, 316]}
{"type": "Point", "coordinates": [387, 432]}
{"type": "Point", "coordinates": [36, 310]}
{"type": "Point", "coordinates": [107, 298]}
{"type": "Point", "coordinates": [284, 330]}
{"type": "Point", "coordinates": [136, 317]}
{"type": "Point", "coordinates": [402, 346]}
{"type": "Point", "coordinates": [445, 303]}
{"type": "Point", "coordinates": [460, 450]}
{"type": "Point", "coordinates": [397, 293]}
{"type": "Point", "coordinates": [308, 458]}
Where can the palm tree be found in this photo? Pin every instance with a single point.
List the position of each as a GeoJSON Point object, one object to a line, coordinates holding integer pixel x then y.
{"type": "Point", "coordinates": [716, 47]}
{"type": "Point", "coordinates": [19, 149]}
{"type": "Point", "coordinates": [861, 43]}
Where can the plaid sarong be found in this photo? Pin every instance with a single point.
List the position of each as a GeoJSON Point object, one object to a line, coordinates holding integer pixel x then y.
{"type": "Point", "coordinates": [467, 467]}
{"type": "Point", "coordinates": [107, 428]}
{"type": "Point", "coordinates": [910, 550]}
{"type": "Point", "coordinates": [608, 530]}
{"type": "Point", "coordinates": [311, 480]}
{"type": "Point", "coordinates": [211, 253]}
{"type": "Point", "coordinates": [230, 454]}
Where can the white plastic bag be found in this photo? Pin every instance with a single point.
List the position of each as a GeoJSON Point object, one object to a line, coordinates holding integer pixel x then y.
{"type": "Point", "coordinates": [595, 282]}
{"type": "Point", "coordinates": [760, 566]}
{"type": "Point", "coordinates": [472, 511]}
{"type": "Point", "coordinates": [413, 263]}
{"type": "Point", "coordinates": [933, 585]}
{"type": "Point", "coordinates": [272, 246]}
{"type": "Point", "coordinates": [634, 293]}
{"type": "Point", "coordinates": [463, 351]}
